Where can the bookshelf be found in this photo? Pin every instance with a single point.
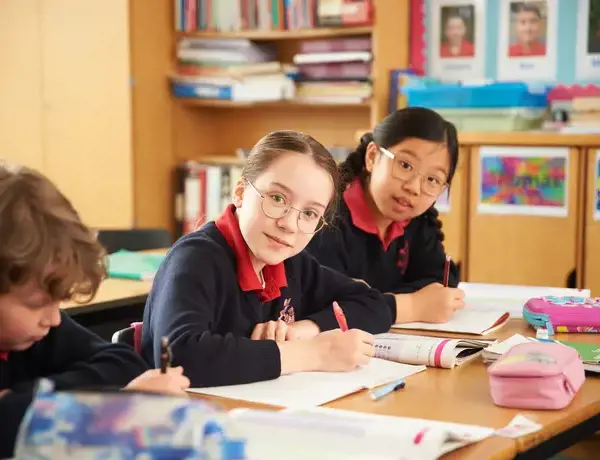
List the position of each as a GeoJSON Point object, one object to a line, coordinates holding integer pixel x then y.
{"type": "Point", "coordinates": [272, 35]}
{"type": "Point", "coordinates": [168, 130]}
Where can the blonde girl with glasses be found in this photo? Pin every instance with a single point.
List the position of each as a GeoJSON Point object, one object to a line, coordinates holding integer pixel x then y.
{"type": "Point", "coordinates": [241, 301]}
{"type": "Point", "coordinates": [388, 233]}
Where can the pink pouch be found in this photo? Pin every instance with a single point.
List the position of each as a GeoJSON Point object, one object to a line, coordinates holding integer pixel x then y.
{"type": "Point", "coordinates": [563, 314]}
{"type": "Point", "coordinates": [537, 375]}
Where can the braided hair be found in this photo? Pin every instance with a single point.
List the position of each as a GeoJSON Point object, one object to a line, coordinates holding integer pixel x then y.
{"type": "Point", "coordinates": [409, 122]}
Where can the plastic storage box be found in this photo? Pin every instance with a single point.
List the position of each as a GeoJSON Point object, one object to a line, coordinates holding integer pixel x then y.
{"type": "Point", "coordinates": [489, 95]}
{"type": "Point", "coordinates": [510, 119]}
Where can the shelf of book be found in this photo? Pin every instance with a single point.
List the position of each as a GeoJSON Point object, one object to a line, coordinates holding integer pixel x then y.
{"type": "Point", "coordinates": [215, 103]}
{"type": "Point", "coordinates": [271, 35]}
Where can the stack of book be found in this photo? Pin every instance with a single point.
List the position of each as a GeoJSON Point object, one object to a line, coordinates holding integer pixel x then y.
{"type": "Point", "coordinates": [585, 112]}
{"type": "Point", "coordinates": [336, 70]}
{"type": "Point", "coordinates": [237, 15]}
{"type": "Point", "coordinates": [229, 69]}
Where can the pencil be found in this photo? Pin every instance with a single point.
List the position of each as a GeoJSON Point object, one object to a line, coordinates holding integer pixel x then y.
{"type": "Point", "coordinates": [165, 355]}
{"type": "Point", "coordinates": [447, 270]}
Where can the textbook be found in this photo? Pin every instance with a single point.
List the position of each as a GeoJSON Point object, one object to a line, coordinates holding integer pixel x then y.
{"type": "Point", "coordinates": [134, 265]}
{"type": "Point", "coordinates": [333, 434]}
{"type": "Point", "coordinates": [310, 389]}
{"type": "Point", "coordinates": [467, 321]}
{"type": "Point", "coordinates": [428, 351]}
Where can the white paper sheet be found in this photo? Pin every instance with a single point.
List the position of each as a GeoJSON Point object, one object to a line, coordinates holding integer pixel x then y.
{"type": "Point", "coordinates": [467, 321]}
{"type": "Point", "coordinates": [308, 389]}
{"type": "Point", "coordinates": [334, 434]}
{"type": "Point", "coordinates": [510, 298]}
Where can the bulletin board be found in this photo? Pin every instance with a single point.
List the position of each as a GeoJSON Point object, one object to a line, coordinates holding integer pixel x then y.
{"type": "Point", "coordinates": [507, 39]}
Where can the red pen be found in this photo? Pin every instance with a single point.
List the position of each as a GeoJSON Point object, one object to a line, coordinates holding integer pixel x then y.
{"type": "Point", "coordinates": [340, 317]}
{"type": "Point", "coordinates": [447, 270]}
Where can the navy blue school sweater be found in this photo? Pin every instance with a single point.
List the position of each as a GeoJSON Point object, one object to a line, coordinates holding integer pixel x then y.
{"type": "Point", "coordinates": [73, 358]}
{"type": "Point", "coordinates": [207, 299]}
{"type": "Point", "coordinates": [410, 257]}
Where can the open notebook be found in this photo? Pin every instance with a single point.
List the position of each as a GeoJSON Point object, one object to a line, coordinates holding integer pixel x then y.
{"type": "Point", "coordinates": [333, 434]}
{"type": "Point", "coordinates": [428, 351]}
{"type": "Point", "coordinates": [509, 298]}
{"type": "Point", "coordinates": [467, 321]}
{"type": "Point", "coordinates": [308, 389]}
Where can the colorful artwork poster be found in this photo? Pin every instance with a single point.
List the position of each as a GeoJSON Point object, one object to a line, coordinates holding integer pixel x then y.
{"type": "Point", "coordinates": [596, 201]}
{"type": "Point", "coordinates": [524, 181]}
{"type": "Point", "coordinates": [442, 204]}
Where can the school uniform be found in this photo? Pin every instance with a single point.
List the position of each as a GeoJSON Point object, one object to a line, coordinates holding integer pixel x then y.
{"type": "Point", "coordinates": [207, 299]}
{"type": "Point", "coordinates": [70, 356]}
{"type": "Point", "coordinates": [408, 258]}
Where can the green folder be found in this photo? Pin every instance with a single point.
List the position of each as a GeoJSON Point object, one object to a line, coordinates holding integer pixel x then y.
{"type": "Point", "coordinates": [589, 352]}
{"type": "Point", "coordinates": [133, 265]}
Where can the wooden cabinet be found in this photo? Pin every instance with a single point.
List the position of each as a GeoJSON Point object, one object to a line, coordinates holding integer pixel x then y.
{"type": "Point", "coordinates": [66, 100]}
{"type": "Point", "coordinates": [524, 249]}
{"type": "Point", "coordinates": [591, 237]}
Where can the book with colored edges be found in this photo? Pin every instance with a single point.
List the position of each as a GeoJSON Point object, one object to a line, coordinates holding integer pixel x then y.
{"type": "Point", "coordinates": [428, 351]}
{"type": "Point", "coordinates": [467, 321]}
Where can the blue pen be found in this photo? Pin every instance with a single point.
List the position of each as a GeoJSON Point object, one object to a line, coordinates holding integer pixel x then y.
{"type": "Point", "coordinates": [376, 395]}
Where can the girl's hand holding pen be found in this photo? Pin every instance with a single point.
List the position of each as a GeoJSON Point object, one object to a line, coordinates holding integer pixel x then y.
{"type": "Point", "coordinates": [436, 303]}
{"type": "Point", "coordinates": [340, 351]}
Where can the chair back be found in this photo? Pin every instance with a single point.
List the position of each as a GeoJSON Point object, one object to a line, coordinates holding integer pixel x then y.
{"type": "Point", "coordinates": [137, 239]}
{"type": "Point", "coordinates": [131, 336]}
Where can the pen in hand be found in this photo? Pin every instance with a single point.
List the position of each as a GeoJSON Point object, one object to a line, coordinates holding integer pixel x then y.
{"type": "Point", "coordinates": [165, 355]}
{"type": "Point", "coordinates": [447, 270]}
{"type": "Point", "coordinates": [340, 317]}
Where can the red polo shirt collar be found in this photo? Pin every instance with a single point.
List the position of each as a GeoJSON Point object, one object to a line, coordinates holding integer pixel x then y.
{"type": "Point", "coordinates": [274, 275]}
{"type": "Point", "coordinates": [362, 217]}
{"type": "Point", "coordinates": [3, 355]}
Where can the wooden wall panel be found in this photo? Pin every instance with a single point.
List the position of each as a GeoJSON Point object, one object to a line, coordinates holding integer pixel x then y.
{"type": "Point", "coordinates": [21, 83]}
{"type": "Point", "coordinates": [591, 253]}
{"type": "Point", "coordinates": [87, 116]}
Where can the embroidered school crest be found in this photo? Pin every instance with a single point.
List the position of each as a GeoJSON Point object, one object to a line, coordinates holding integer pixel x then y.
{"type": "Point", "coordinates": [287, 312]}
{"type": "Point", "coordinates": [402, 261]}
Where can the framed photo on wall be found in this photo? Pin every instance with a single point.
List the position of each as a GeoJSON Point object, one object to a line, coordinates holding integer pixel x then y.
{"type": "Point", "coordinates": [588, 40]}
{"type": "Point", "coordinates": [528, 40]}
{"type": "Point", "coordinates": [456, 36]}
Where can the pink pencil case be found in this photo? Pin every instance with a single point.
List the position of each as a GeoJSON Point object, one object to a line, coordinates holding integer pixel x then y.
{"type": "Point", "coordinates": [537, 375]}
{"type": "Point", "coordinates": [563, 314]}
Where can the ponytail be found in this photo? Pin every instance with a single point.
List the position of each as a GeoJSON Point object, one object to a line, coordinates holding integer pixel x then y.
{"type": "Point", "coordinates": [354, 164]}
{"type": "Point", "coordinates": [432, 217]}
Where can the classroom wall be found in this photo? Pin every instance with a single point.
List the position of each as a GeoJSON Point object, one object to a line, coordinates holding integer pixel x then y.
{"type": "Point", "coordinates": [65, 100]}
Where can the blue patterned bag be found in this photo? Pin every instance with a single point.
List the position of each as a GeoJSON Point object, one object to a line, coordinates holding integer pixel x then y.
{"type": "Point", "coordinates": [118, 425]}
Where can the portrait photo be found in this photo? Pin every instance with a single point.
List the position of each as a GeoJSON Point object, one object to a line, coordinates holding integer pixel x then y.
{"type": "Point", "coordinates": [587, 56]}
{"type": "Point", "coordinates": [457, 31]}
{"type": "Point", "coordinates": [593, 29]}
{"type": "Point", "coordinates": [456, 39]}
{"type": "Point", "coordinates": [528, 26]}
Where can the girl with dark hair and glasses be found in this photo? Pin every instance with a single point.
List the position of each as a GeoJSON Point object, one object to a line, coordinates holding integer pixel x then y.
{"type": "Point", "coordinates": [388, 233]}
{"type": "Point", "coordinates": [239, 299]}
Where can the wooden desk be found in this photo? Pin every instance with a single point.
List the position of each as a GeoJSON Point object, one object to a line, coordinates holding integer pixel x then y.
{"type": "Point", "coordinates": [462, 395]}
{"type": "Point", "coordinates": [112, 293]}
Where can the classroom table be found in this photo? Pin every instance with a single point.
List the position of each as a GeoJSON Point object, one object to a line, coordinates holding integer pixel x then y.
{"type": "Point", "coordinates": [117, 304]}
{"type": "Point", "coordinates": [462, 395]}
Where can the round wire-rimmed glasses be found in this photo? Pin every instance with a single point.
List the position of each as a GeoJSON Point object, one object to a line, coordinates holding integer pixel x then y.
{"type": "Point", "coordinates": [275, 206]}
{"type": "Point", "coordinates": [404, 171]}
